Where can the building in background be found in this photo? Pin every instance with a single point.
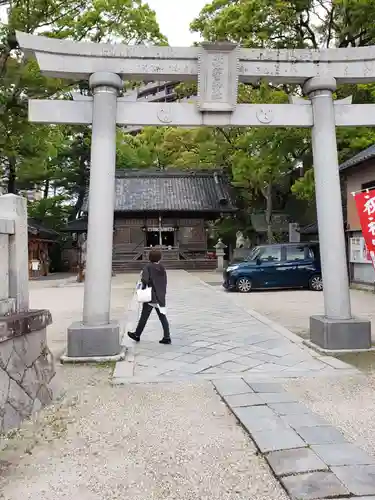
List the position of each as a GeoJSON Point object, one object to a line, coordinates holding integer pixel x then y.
{"type": "Point", "coordinates": [169, 210]}
{"type": "Point", "coordinates": [40, 241]}
{"type": "Point", "coordinates": [32, 194]}
{"type": "Point", "coordinates": [358, 174]}
{"type": "Point", "coordinates": [155, 92]}
{"type": "Point", "coordinates": [309, 232]}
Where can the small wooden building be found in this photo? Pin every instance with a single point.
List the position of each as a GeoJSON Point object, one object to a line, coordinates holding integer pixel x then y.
{"type": "Point", "coordinates": [309, 232]}
{"type": "Point", "coordinates": [40, 240]}
{"type": "Point", "coordinates": [169, 210]}
{"type": "Point", "coordinates": [72, 248]}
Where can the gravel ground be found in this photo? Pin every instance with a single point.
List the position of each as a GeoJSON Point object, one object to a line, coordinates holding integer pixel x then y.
{"type": "Point", "coordinates": [136, 442]}
{"type": "Point", "coordinates": [348, 403]}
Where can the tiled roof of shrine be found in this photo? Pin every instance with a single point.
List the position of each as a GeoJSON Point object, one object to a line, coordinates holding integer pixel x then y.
{"type": "Point", "coordinates": [172, 191]}
{"type": "Point", "coordinates": [37, 230]}
{"type": "Point", "coordinates": [309, 229]}
{"type": "Point", "coordinates": [366, 154]}
{"type": "Point", "coordinates": [76, 226]}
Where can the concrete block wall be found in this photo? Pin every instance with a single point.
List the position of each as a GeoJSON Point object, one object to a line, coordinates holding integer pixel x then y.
{"type": "Point", "coordinates": [14, 255]}
{"type": "Point", "coordinates": [26, 363]}
{"type": "Point", "coordinates": [7, 303]}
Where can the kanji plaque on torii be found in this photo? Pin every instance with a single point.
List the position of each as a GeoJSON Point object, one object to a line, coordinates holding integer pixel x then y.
{"type": "Point", "coordinates": [218, 69]}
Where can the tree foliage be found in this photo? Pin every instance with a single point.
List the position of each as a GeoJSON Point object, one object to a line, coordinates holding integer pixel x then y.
{"type": "Point", "coordinates": [165, 148]}
{"type": "Point", "coordinates": [289, 23]}
{"type": "Point", "coordinates": [268, 153]}
{"type": "Point", "coordinates": [55, 158]}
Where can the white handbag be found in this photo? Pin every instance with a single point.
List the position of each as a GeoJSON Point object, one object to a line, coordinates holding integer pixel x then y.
{"type": "Point", "coordinates": [144, 295]}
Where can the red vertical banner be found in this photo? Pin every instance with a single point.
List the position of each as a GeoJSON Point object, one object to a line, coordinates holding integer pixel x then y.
{"type": "Point", "coordinates": [365, 203]}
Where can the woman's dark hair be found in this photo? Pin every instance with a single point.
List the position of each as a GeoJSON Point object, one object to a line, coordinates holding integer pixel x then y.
{"type": "Point", "coordinates": [154, 256]}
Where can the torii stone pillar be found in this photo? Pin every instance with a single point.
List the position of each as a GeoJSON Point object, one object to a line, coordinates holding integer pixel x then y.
{"type": "Point", "coordinates": [96, 335]}
{"type": "Point", "coordinates": [337, 329]}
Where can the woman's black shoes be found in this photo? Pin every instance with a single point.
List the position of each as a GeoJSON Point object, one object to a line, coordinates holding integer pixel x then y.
{"type": "Point", "coordinates": [137, 338]}
{"type": "Point", "coordinates": [166, 341]}
{"type": "Point", "coordinates": [134, 336]}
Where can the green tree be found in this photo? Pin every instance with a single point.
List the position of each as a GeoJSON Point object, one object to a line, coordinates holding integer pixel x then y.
{"type": "Point", "coordinates": [289, 24]}
{"type": "Point", "coordinates": [29, 152]}
{"type": "Point", "coordinates": [52, 211]}
{"type": "Point", "coordinates": [173, 147]}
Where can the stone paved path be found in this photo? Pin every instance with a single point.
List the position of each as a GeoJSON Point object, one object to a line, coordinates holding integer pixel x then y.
{"type": "Point", "coordinates": [312, 459]}
{"type": "Point", "coordinates": [213, 337]}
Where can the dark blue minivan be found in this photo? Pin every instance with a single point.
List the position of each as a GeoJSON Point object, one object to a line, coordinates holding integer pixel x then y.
{"type": "Point", "coordinates": [287, 265]}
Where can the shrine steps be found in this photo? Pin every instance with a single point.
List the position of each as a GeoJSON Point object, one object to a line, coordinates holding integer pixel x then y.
{"type": "Point", "coordinates": [188, 265]}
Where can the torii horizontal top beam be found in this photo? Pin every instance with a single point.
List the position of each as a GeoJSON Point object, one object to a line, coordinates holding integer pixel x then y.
{"type": "Point", "coordinates": [68, 59]}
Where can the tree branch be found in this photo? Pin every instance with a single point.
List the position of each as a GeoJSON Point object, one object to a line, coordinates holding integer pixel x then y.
{"type": "Point", "coordinates": [226, 135]}
{"type": "Point", "coordinates": [306, 24]}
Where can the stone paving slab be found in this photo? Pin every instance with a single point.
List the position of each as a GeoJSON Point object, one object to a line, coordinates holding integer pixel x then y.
{"type": "Point", "coordinates": [266, 388]}
{"type": "Point", "coordinates": [212, 335]}
{"type": "Point", "coordinates": [295, 461]}
{"type": "Point", "coordinates": [277, 397]}
{"type": "Point", "coordinates": [247, 399]}
{"type": "Point", "coordinates": [321, 435]}
{"type": "Point", "coordinates": [358, 479]}
{"type": "Point", "coordinates": [342, 454]}
{"type": "Point", "coordinates": [310, 458]}
{"type": "Point", "coordinates": [314, 485]}
{"type": "Point", "coordinates": [232, 387]}
{"type": "Point", "coordinates": [277, 440]}
{"type": "Point", "coordinates": [360, 498]}
{"type": "Point", "coordinates": [309, 420]}
{"type": "Point", "coordinates": [289, 409]}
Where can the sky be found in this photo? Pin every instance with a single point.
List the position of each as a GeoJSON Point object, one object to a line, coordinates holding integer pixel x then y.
{"type": "Point", "coordinates": [174, 17]}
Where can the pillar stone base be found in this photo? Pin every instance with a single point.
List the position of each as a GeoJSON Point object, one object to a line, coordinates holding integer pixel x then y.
{"type": "Point", "coordinates": [93, 341]}
{"type": "Point", "coordinates": [350, 334]}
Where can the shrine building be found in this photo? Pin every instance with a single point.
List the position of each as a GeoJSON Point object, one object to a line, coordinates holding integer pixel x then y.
{"type": "Point", "coordinates": [170, 210]}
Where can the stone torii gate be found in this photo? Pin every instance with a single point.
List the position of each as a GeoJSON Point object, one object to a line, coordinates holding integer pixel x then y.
{"type": "Point", "coordinates": [219, 67]}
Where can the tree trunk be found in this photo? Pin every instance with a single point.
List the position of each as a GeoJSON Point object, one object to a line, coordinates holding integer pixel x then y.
{"type": "Point", "coordinates": [79, 203]}
{"type": "Point", "coordinates": [46, 189]}
{"type": "Point", "coordinates": [307, 163]}
{"type": "Point", "coordinates": [268, 196]}
{"type": "Point", "coordinates": [12, 175]}
{"type": "Point", "coordinates": [82, 186]}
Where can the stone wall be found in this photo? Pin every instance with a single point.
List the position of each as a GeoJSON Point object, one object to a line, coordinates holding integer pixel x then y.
{"type": "Point", "coordinates": [26, 364]}
{"type": "Point", "coordinates": [26, 367]}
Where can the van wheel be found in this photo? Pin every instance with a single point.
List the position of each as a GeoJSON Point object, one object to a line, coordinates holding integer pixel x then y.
{"type": "Point", "coordinates": [316, 283]}
{"type": "Point", "coordinates": [244, 285]}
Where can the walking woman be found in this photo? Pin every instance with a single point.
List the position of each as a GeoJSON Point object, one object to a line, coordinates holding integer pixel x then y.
{"type": "Point", "coordinates": [154, 276]}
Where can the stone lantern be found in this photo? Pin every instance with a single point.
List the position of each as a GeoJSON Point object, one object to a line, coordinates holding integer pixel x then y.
{"type": "Point", "coordinates": [220, 247]}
